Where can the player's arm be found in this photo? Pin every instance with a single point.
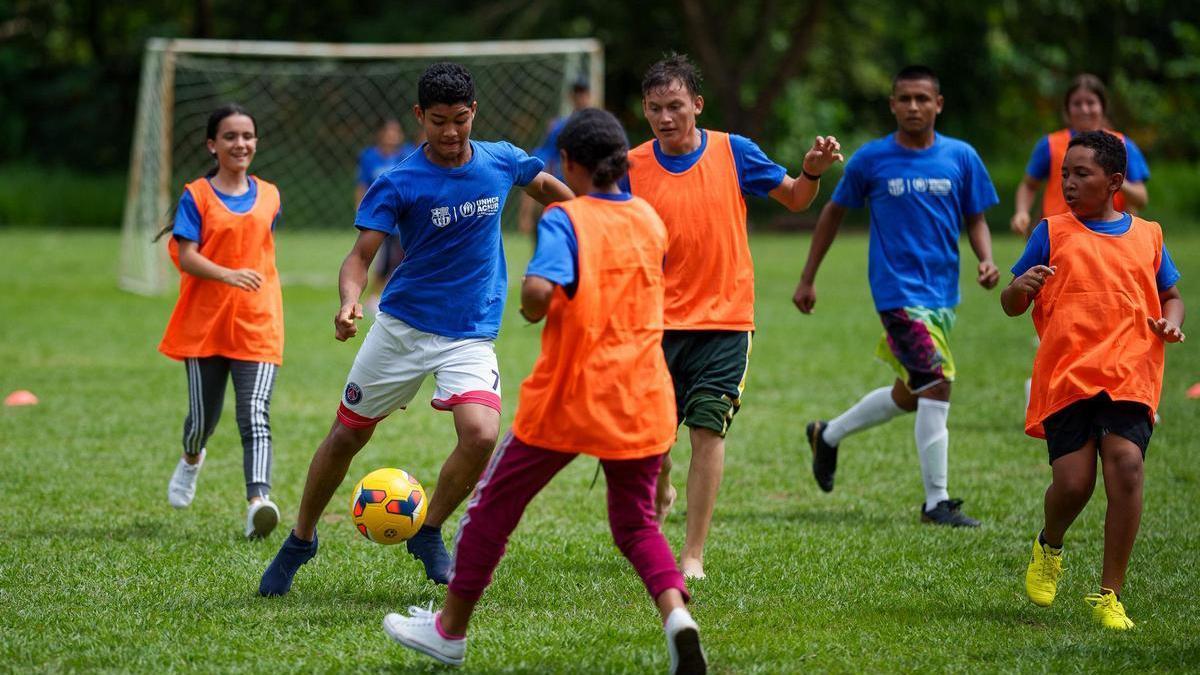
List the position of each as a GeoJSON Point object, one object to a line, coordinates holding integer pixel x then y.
{"type": "Point", "coordinates": [547, 189]}
{"type": "Point", "coordinates": [1019, 294]}
{"type": "Point", "coordinates": [981, 243]}
{"type": "Point", "coordinates": [805, 297]}
{"type": "Point", "coordinates": [351, 280]}
{"type": "Point", "coordinates": [1136, 195]}
{"type": "Point", "coordinates": [797, 194]}
{"type": "Point", "coordinates": [196, 264]}
{"type": "Point", "coordinates": [536, 293]}
{"type": "Point", "coordinates": [1027, 191]}
{"type": "Point", "coordinates": [1170, 326]}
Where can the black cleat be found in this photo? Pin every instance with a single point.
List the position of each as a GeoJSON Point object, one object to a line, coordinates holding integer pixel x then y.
{"type": "Point", "coordinates": [948, 512]}
{"type": "Point", "coordinates": [824, 455]}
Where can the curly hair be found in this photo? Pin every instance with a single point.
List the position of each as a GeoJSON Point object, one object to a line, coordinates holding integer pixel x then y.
{"type": "Point", "coordinates": [675, 67]}
{"type": "Point", "coordinates": [447, 83]}
{"type": "Point", "coordinates": [595, 139]}
{"type": "Point", "coordinates": [1109, 150]}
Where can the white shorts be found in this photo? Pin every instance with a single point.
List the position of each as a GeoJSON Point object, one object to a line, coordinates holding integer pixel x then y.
{"type": "Point", "coordinates": [394, 360]}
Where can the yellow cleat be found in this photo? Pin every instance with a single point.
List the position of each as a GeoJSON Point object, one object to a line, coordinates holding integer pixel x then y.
{"type": "Point", "coordinates": [1108, 610]}
{"type": "Point", "coordinates": [1041, 577]}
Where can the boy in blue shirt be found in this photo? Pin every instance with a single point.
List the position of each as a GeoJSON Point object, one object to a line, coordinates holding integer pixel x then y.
{"type": "Point", "coordinates": [924, 189]}
{"type": "Point", "coordinates": [438, 315]}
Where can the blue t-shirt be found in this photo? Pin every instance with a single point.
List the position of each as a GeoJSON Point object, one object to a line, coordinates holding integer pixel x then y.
{"type": "Point", "coordinates": [1037, 250]}
{"type": "Point", "coordinates": [453, 280]}
{"type": "Point", "coordinates": [372, 163]}
{"type": "Point", "coordinates": [187, 215]}
{"type": "Point", "coordinates": [556, 258]}
{"type": "Point", "coordinates": [1039, 162]}
{"type": "Point", "coordinates": [757, 174]}
{"type": "Point", "coordinates": [918, 202]}
{"type": "Point", "coordinates": [548, 150]}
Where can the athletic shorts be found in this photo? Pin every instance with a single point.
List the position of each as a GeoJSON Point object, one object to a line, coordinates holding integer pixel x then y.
{"type": "Point", "coordinates": [916, 344]}
{"type": "Point", "coordinates": [708, 368]}
{"type": "Point", "coordinates": [395, 359]}
{"type": "Point", "coordinates": [1072, 427]}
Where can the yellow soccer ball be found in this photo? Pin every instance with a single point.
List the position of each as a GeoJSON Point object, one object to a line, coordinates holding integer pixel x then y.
{"type": "Point", "coordinates": [388, 506]}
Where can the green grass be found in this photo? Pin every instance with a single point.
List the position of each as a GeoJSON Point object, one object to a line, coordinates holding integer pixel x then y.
{"type": "Point", "coordinates": [98, 573]}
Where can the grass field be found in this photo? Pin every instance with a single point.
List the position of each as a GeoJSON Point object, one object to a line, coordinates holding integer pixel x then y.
{"type": "Point", "coordinates": [97, 572]}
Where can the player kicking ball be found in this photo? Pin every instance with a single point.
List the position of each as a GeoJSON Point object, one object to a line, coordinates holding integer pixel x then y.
{"type": "Point", "coordinates": [600, 387]}
{"type": "Point", "coordinates": [924, 189]}
{"type": "Point", "coordinates": [439, 312]}
{"type": "Point", "coordinates": [1102, 286]}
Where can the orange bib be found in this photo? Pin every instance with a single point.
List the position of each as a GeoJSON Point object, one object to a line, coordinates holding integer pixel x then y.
{"type": "Point", "coordinates": [710, 276]}
{"type": "Point", "coordinates": [1053, 202]}
{"type": "Point", "coordinates": [212, 318]}
{"type": "Point", "coordinates": [1091, 318]}
{"type": "Point", "coordinates": [600, 385]}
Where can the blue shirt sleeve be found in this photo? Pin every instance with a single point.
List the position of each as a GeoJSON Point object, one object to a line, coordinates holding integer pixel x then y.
{"type": "Point", "coordinates": [1137, 171]}
{"type": "Point", "coordinates": [1037, 250]}
{"type": "Point", "coordinates": [187, 219]}
{"type": "Point", "coordinates": [525, 167]}
{"type": "Point", "coordinates": [1168, 275]}
{"type": "Point", "coordinates": [556, 258]}
{"type": "Point", "coordinates": [757, 174]}
{"type": "Point", "coordinates": [852, 190]}
{"type": "Point", "coordinates": [381, 208]}
{"type": "Point", "coordinates": [1039, 162]}
{"type": "Point", "coordinates": [980, 193]}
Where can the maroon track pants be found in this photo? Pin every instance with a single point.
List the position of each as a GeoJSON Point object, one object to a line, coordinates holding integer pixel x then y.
{"type": "Point", "coordinates": [516, 473]}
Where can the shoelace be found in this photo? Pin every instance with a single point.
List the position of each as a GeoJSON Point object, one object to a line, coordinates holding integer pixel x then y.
{"type": "Point", "coordinates": [1048, 570]}
{"type": "Point", "coordinates": [422, 614]}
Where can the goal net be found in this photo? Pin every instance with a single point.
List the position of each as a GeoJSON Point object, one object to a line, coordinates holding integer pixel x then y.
{"type": "Point", "coordinates": [317, 107]}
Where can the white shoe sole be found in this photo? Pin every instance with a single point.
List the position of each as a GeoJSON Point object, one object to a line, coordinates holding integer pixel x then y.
{"type": "Point", "coordinates": [425, 649]}
{"type": "Point", "coordinates": [264, 522]}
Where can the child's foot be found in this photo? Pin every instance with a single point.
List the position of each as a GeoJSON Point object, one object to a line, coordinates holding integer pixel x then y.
{"type": "Point", "coordinates": [261, 517]}
{"type": "Point", "coordinates": [692, 568]}
{"type": "Point", "coordinates": [1041, 577]}
{"type": "Point", "coordinates": [1108, 610]}
{"type": "Point", "coordinates": [683, 644]}
{"type": "Point", "coordinates": [427, 546]}
{"type": "Point", "coordinates": [663, 505]}
{"type": "Point", "coordinates": [420, 631]}
{"type": "Point", "coordinates": [277, 579]}
{"type": "Point", "coordinates": [824, 455]}
{"type": "Point", "coordinates": [948, 512]}
{"type": "Point", "coordinates": [182, 488]}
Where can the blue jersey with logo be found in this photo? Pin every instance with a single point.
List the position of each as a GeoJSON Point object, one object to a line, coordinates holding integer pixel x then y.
{"type": "Point", "coordinates": [453, 280]}
{"type": "Point", "coordinates": [372, 163]}
{"type": "Point", "coordinates": [918, 200]}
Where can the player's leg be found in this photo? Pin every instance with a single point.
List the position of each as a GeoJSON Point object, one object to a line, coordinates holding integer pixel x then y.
{"type": "Point", "coordinates": [206, 379]}
{"type": "Point", "coordinates": [253, 384]}
{"type": "Point", "coordinates": [515, 475]}
{"type": "Point", "coordinates": [676, 349]}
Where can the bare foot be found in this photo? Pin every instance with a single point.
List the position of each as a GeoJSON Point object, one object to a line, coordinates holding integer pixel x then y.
{"type": "Point", "coordinates": [692, 568]}
{"type": "Point", "coordinates": [663, 505]}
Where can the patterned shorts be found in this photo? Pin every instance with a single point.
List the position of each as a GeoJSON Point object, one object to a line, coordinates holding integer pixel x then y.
{"type": "Point", "coordinates": [916, 344]}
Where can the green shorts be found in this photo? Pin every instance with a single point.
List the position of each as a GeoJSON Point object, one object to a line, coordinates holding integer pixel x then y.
{"type": "Point", "coordinates": [708, 368]}
{"type": "Point", "coordinates": [916, 344]}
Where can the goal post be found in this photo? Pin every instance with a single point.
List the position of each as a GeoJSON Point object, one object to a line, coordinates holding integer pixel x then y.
{"type": "Point", "coordinates": [317, 106]}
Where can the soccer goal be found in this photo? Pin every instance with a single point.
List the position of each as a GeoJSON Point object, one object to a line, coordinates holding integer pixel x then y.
{"type": "Point", "coordinates": [317, 106]}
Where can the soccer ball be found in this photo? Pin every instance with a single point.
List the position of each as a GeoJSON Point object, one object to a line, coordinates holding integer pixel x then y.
{"type": "Point", "coordinates": [388, 506]}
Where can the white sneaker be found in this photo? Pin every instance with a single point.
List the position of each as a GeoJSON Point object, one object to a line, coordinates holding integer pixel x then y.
{"type": "Point", "coordinates": [418, 631]}
{"type": "Point", "coordinates": [683, 644]}
{"type": "Point", "coordinates": [261, 518]}
{"type": "Point", "coordinates": [182, 487]}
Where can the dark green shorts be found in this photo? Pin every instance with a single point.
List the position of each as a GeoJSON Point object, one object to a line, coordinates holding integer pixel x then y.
{"type": "Point", "coordinates": [708, 368]}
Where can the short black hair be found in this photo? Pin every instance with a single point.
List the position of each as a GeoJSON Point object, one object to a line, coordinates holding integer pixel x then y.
{"type": "Point", "coordinates": [918, 72]}
{"type": "Point", "coordinates": [595, 139]}
{"type": "Point", "coordinates": [580, 85]}
{"type": "Point", "coordinates": [447, 83]}
{"type": "Point", "coordinates": [1109, 150]}
{"type": "Point", "coordinates": [671, 68]}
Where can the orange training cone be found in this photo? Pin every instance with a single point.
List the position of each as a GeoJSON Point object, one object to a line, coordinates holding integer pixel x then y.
{"type": "Point", "coordinates": [20, 397]}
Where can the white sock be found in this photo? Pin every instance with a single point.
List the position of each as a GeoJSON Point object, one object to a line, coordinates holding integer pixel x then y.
{"type": "Point", "coordinates": [932, 442]}
{"type": "Point", "coordinates": [678, 619]}
{"type": "Point", "coordinates": [873, 409]}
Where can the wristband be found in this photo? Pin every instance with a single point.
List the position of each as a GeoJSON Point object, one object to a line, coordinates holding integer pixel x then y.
{"type": "Point", "coordinates": [810, 176]}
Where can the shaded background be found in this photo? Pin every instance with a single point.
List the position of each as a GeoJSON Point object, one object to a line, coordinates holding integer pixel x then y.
{"type": "Point", "coordinates": [777, 71]}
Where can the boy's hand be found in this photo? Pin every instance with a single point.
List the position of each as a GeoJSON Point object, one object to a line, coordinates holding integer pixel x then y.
{"type": "Point", "coordinates": [824, 152]}
{"type": "Point", "coordinates": [1166, 330]}
{"type": "Point", "coordinates": [805, 297]}
{"type": "Point", "coordinates": [1034, 278]}
{"type": "Point", "coordinates": [989, 274]}
{"type": "Point", "coordinates": [1020, 224]}
{"type": "Point", "coordinates": [343, 322]}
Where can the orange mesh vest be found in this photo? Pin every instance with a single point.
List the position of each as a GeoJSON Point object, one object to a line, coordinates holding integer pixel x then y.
{"type": "Point", "coordinates": [1052, 200]}
{"type": "Point", "coordinates": [600, 385]}
{"type": "Point", "coordinates": [710, 276]}
{"type": "Point", "coordinates": [1091, 318]}
{"type": "Point", "coordinates": [212, 318]}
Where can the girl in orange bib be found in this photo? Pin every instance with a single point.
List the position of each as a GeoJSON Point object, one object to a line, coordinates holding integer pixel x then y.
{"type": "Point", "coordinates": [1102, 286]}
{"type": "Point", "coordinates": [600, 387]}
{"type": "Point", "coordinates": [228, 320]}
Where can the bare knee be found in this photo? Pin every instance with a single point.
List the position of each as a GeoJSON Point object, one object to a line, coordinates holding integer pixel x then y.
{"type": "Point", "coordinates": [346, 441]}
{"type": "Point", "coordinates": [1077, 488]}
{"type": "Point", "coordinates": [1125, 470]}
{"type": "Point", "coordinates": [478, 437]}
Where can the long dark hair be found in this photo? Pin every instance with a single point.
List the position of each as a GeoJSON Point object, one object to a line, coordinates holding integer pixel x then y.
{"type": "Point", "coordinates": [210, 134]}
{"type": "Point", "coordinates": [595, 139]}
{"type": "Point", "coordinates": [1088, 82]}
